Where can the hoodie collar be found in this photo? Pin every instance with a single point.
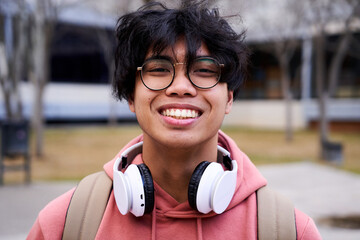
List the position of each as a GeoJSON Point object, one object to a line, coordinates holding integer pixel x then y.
{"type": "Point", "coordinates": [249, 180]}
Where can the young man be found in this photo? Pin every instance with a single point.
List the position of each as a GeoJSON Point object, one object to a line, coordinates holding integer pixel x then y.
{"type": "Point", "coordinates": [179, 70]}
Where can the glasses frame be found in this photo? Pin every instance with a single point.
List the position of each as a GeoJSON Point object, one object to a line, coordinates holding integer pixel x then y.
{"type": "Point", "coordinates": [187, 73]}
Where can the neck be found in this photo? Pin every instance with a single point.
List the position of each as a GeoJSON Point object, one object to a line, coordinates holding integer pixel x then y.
{"type": "Point", "coordinates": [172, 167]}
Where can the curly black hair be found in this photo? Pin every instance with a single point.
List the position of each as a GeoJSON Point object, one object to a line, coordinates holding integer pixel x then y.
{"type": "Point", "coordinates": [157, 27]}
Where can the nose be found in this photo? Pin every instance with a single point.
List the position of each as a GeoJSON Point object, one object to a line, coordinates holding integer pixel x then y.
{"type": "Point", "coordinates": [181, 85]}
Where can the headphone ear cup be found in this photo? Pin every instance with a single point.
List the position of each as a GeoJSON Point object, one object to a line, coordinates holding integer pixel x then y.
{"type": "Point", "coordinates": [207, 186]}
{"type": "Point", "coordinates": [148, 187]}
{"type": "Point", "coordinates": [194, 183]}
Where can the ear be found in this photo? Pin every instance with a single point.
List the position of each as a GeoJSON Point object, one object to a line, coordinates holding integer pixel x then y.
{"type": "Point", "coordinates": [131, 104]}
{"type": "Point", "coordinates": [229, 102]}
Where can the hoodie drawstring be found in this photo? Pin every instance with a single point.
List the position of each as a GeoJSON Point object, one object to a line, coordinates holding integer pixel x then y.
{"type": "Point", "coordinates": [199, 229]}
{"type": "Point", "coordinates": [153, 224]}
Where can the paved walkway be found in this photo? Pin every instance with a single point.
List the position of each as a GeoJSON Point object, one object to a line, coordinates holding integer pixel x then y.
{"type": "Point", "coordinates": [20, 205]}
{"type": "Point", "coordinates": [317, 190]}
{"type": "Point", "coordinates": [320, 192]}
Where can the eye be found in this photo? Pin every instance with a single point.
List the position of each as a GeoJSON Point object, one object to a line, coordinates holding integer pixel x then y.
{"type": "Point", "coordinates": [204, 71]}
{"type": "Point", "coordinates": [204, 68]}
{"type": "Point", "coordinates": [158, 72]}
{"type": "Point", "coordinates": [157, 68]}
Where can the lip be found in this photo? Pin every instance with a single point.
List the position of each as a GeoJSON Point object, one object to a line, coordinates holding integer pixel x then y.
{"type": "Point", "coordinates": [179, 122]}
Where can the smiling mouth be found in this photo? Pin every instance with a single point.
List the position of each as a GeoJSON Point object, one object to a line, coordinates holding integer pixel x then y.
{"type": "Point", "coordinates": [180, 113]}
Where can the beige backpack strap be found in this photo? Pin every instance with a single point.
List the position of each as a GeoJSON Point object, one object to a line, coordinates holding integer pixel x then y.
{"type": "Point", "coordinates": [276, 216]}
{"type": "Point", "coordinates": [87, 207]}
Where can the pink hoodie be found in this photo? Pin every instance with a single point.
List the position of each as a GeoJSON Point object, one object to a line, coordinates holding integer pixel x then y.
{"type": "Point", "coordinates": [173, 220]}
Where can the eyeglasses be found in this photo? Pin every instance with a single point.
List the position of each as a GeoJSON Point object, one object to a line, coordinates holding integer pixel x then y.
{"type": "Point", "coordinates": [158, 74]}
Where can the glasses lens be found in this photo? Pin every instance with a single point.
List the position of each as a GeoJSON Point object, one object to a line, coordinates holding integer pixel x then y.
{"type": "Point", "coordinates": [205, 72]}
{"type": "Point", "coordinates": [157, 74]}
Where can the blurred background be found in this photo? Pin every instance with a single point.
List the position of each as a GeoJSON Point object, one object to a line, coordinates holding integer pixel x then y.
{"type": "Point", "coordinates": [300, 103]}
{"type": "Point", "coordinates": [56, 63]}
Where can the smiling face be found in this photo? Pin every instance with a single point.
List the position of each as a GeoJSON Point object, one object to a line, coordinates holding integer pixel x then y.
{"type": "Point", "coordinates": [181, 115]}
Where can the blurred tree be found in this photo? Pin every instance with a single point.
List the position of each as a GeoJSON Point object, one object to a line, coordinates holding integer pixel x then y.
{"type": "Point", "coordinates": [4, 80]}
{"type": "Point", "coordinates": [343, 44]}
{"type": "Point", "coordinates": [281, 31]}
{"type": "Point", "coordinates": [286, 43]}
{"type": "Point", "coordinates": [12, 55]}
{"type": "Point", "coordinates": [106, 41]}
{"type": "Point", "coordinates": [321, 15]}
{"type": "Point", "coordinates": [282, 22]}
{"type": "Point", "coordinates": [42, 27]}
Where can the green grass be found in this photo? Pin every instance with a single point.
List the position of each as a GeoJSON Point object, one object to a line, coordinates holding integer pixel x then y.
{"type": "Point", "coordinates": [74, 152]}
{"type": "Point", "coordinates": [269, 147]}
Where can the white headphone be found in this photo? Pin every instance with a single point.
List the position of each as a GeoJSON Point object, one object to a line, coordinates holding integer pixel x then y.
{"type": "Point", "coordinates": [210, 187]}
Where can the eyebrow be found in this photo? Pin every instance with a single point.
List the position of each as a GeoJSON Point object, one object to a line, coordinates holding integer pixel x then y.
{"type": "Point", "coordinates": [172, 60]}
{"type": "Point", "coordinates": [164, 57]}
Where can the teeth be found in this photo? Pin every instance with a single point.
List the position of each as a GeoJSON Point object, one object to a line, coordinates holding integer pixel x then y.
{"type": "Point", "coordinates": [180, 113]}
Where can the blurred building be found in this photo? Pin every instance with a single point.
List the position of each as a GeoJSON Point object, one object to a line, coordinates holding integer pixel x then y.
{"type": "Point", "coordinates": [83, 42]}
{"type": "Point", "coordinates": [80, 70]}
{"type": "Point", "coordinates": [269, 22]}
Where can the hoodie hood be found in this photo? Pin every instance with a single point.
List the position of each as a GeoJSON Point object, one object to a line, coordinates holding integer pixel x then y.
{"type": "Point", "coordinates": [249, 180]}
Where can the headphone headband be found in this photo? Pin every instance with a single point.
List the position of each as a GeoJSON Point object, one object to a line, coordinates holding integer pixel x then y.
{"type": "Point", "coordinates": [134, 150]}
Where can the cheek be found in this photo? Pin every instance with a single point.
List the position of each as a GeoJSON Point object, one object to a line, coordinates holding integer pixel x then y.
{"type": "Point", "coordinates": [142, 100]}
{"type": "Point", "coordinates": [222, 99]}
{"type": "Point", "coordinates": [138, 97]}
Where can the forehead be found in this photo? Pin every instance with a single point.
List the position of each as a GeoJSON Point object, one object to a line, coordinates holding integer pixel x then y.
{"type": "Point", "coordinates": [179, 51]}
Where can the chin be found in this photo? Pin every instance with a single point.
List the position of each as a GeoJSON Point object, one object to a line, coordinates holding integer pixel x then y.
{"type": "Point", "coordinates": [183, 140]}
